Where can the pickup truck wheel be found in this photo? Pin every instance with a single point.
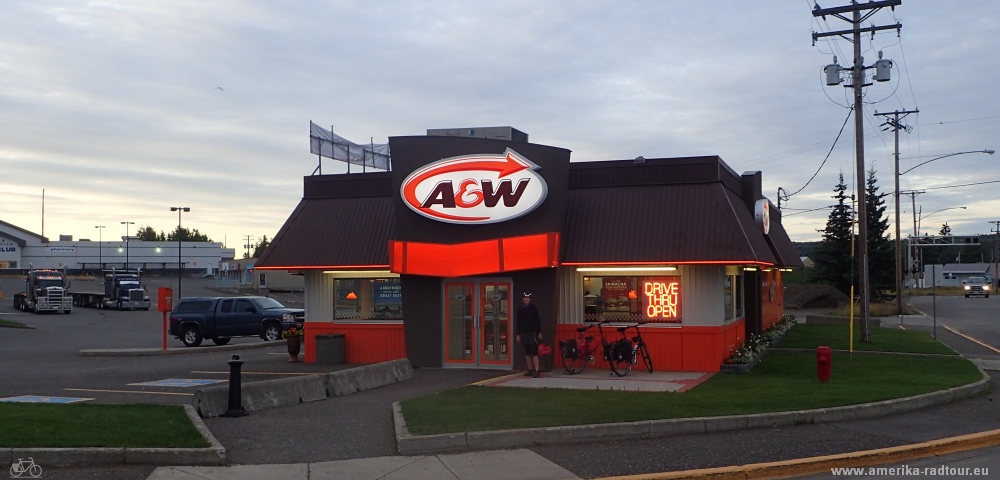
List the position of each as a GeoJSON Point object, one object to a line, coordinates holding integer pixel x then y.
{"type": "Point", "coordinates": [221, 341]}
{"type": "Point", "coordinates": [271, 333]}
{"type": "Point", "coordinates": [191, 337]}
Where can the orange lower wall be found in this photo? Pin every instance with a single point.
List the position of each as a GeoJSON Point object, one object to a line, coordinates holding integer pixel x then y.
{"type": "Point", "coordinates": [688, 349]}
{"type": "Point", "coordinates": [366, 343]}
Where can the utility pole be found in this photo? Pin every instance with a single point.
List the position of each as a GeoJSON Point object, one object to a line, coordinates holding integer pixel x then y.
{"type": "Point", "coordinates": [894, 124]}
{"type": "Point", "coordinates": [249, 239]}
{"type": "Point", "coordinates": [996, 253]}
{"type": "Point", "coordinates": [913, 208]}
{"type": "Point", "coordinates": [858, 84]}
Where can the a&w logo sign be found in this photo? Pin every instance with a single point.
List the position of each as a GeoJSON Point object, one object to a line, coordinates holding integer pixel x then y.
{"type": "Point", "coordinates": [475, 189]}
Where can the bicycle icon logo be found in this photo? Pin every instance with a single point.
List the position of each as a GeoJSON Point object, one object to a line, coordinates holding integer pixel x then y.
{"type": "Point", "coordinates": [25, 467]}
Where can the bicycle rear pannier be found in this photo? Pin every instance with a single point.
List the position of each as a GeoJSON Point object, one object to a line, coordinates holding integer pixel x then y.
{"type": "Point", "coordinates": [622, 350]}
{"type": "Point", "coordinates": [570, 348]}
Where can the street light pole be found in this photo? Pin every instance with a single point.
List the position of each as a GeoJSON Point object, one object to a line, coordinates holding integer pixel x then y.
{"type": "Point", "coordinates": [922, 217]}
{"type": "Point", "coordinates": [127, 236]}
{"type": "Point", "coordinates": [180, 269]}
{"type": "Point", "coordinates": [100, 247]}
{"type": "Point", "coordinates": [988, 152]}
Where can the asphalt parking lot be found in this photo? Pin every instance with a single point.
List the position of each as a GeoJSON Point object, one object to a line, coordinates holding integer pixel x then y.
{"type": "Point", "coordinates": [45, 361]}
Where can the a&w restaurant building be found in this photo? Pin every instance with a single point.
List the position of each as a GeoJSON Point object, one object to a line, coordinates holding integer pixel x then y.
{"type": "Point", "coordinates": [429, 260]}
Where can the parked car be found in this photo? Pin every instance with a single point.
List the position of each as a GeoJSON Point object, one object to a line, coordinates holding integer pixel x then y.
{"type": "Point", "coordinates": [977, 286]}
{"type": "Point", "coordinates": [222, 318]}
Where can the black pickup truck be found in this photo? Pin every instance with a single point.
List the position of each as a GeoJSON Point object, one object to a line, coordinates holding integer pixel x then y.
{"type": "Point", "coordinates": [221, 318]}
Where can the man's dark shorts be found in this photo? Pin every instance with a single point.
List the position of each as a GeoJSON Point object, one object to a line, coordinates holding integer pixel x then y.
{"type": "Point", "coordinates": [531, 349]}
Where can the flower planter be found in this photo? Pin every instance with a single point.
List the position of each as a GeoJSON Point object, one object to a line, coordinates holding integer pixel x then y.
{"type": "Point", "coordinates": [745, 367]}
{"type": "Point", "coordinates": [294, 347]}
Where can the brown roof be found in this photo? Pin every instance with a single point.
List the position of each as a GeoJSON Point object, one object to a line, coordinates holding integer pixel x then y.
{"type": "Point", "coordinates": [782, 246]}
{"type": "Point", "coordinates": [343, 221]}
{"type": "Point", "coordinates": [700, 222]}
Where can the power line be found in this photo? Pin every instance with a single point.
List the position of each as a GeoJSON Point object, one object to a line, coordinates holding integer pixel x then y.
{"type": "Point", "coordinates": [827, 155]}
{"type": "Point", "coordinates": [962, 185]}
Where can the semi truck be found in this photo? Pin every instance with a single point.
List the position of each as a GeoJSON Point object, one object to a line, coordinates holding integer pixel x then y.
{"type": "Point", "coordinates": [44, 291]}
{"type": "Point", "coordinates": [122, 291]}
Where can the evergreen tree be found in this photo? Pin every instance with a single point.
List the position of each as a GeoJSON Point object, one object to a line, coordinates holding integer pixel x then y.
{"type": "Point", "coordinates": [833, 254]}
{"type": "Point", "coordinates": [881, 249]}
{"type": "Point", "coordinates": [261, 245]}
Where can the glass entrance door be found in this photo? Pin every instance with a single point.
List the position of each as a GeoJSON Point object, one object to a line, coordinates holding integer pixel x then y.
{"type": "Point", "coordinates": [477, 323]}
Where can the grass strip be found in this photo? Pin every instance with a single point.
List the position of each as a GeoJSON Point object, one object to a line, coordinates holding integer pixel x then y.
{"type": "Point", "coordinates": [780, 382]}
{"type": "Point", "coordinates": [882, 339]}
{"type": "Point", "coordinates": [10, 323]}
{"type": "Point", "coordinates": [35, 425]}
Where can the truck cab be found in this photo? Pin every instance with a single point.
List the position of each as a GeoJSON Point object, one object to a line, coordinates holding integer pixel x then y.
{"type": "Point", "coordinates": [124, 292]}
{"type": "Point", "coordinates": [976, 286]}
{"type": "Point", "coordinates": [44, 291]}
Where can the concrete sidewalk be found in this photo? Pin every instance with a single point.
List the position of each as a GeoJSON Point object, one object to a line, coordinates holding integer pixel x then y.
{"type": "Point", "coordinates": [490, 465]}
{"type": "Point", "coordinates": [598, 379]}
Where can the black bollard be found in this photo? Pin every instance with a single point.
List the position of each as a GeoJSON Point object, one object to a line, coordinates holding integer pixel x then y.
{"type": "Point", "coordinates": [235, 408]}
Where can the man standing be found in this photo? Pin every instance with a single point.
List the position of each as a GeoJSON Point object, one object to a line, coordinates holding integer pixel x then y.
{"type": "Point", "coordinates": [529, 333]}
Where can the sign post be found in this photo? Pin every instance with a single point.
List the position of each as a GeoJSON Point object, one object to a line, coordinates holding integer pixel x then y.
{"type": "Point", "coordinates": [165, 303]}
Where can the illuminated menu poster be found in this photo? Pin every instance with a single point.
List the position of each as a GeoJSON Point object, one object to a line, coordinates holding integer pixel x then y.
{"type": "Point", "coordinates": [614, 294]}
{"type": "Point", "coordinates": [661, 299]}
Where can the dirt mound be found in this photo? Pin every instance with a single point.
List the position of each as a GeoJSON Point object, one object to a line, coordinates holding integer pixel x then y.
{"type": "Point", "coordinates": [814, 296]}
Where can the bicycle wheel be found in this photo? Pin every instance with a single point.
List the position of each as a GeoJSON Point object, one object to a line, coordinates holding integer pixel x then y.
{"type": "Point", "coordinates": [621, 366]}
{"type": "Point", "coordinates": [35, 471]}
{"type": "Point", "coordinates": [645, 356]}
{"type": "Point", "coordinates": [573, 365]}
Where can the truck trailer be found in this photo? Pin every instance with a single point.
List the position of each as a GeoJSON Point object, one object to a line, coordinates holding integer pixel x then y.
{"type": "Point", "coordinates": [122, 291]}
{"type": "Point", "coordinates": [44, 291]}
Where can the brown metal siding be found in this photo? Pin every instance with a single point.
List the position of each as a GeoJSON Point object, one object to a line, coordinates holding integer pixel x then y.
{"type": "Point", "coordinates": [333, 232]}
{"type": "Point", "coordinates": [661, 223]}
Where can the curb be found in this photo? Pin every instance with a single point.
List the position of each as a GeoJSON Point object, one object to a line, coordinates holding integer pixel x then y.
{"type": "Point", "coordinates": [408, 444]}
{"type": "Point", "coordinates": [215, 454]}
{"type": "Point", "coordinates": [823, 464]}
{"type": "Point", "coordinates": [24, 327]}
{"type": "Point", "coordinates": [214, 401]}
{"type": "Point", "coordinates": [865, 352]}
{"type": "Point", "coordinates": [149, 352]}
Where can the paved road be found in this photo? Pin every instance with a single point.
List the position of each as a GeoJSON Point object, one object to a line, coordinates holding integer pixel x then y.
{"type": "Point", "coordinates": [987, 458]}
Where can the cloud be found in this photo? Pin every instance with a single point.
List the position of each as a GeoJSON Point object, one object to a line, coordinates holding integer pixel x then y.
{"type": "Point", "coordinates": [112, 106]}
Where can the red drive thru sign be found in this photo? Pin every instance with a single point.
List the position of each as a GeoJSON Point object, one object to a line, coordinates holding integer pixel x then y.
{"type": "Point", "coordinates": [165, 303]}
{"type": "Point", "coordinates": [475, 189]}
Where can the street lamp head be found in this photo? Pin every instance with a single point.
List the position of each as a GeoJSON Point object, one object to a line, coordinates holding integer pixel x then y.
{"type": "Point", "coordinates": [991, 152]}
{"type": "Point", "coordinates": [128, 223]}
{"type": "Point", "coordinates": [183, 209]}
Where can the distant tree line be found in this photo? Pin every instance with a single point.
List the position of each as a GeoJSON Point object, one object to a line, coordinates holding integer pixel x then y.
{"type": "Point", "coordinates": [149, 234]}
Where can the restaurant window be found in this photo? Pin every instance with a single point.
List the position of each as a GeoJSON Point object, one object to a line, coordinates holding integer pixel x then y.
{"type": "Point", "coordinates": [368, 299]}
{"type": "Point", "coordinates": [632, 299]}
{"type": "Point", "coordinates": [732, 297]}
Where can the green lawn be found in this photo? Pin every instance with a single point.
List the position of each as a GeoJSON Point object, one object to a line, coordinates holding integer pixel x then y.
{"type": "Point", "coordinates": [26, 425]}
{"type": "Point", "coordinates": [780, 382]}
{"type": "Point", "coordinates": [10, 323]}
{"type": "Point", "coordinates": [882, 339]}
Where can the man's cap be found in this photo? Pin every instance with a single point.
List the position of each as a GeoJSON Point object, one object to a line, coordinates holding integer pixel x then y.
{"type": "Point", "coordinates": [527, 294]}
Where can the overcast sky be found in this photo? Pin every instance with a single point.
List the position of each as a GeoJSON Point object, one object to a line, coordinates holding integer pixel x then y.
{"type": "Point", "coordinates": [112, 107]}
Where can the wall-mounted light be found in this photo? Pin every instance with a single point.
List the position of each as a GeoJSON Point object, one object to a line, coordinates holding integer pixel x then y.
{"type": "Point", "coordinates": [750, 269]}
{"type": "Point", "coordinates": [157, 249]}
{"type": "Point", "coordinates": [626, 269]}
{"type": "Point", "coordinates": [632, 294]}
{"type": "Point", "coordinates": [352, 296]}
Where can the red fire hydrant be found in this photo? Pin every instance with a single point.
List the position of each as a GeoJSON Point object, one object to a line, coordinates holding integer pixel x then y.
{"type": "Point", "coordinates": [824, 360]}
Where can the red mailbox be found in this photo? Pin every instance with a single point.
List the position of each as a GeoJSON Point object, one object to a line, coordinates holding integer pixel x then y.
{"type": "Point", "coordinates": [824, 361]}
{"type": "Point", "coordinates": [165, 299]}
